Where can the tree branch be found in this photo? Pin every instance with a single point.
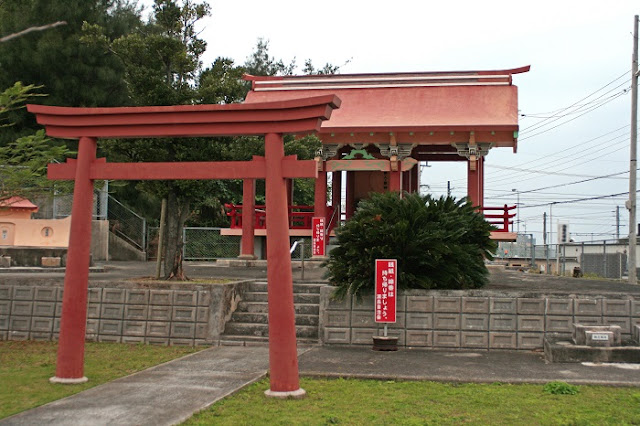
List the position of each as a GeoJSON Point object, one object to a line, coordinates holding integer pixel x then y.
{"type": "Point", "coordinates": [31, 29]}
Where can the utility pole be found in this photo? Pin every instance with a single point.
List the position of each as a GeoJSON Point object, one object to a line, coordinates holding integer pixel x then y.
{"type": "Point", "coordinates": [633, 162]}
{"type": "Point", "coordinates": [617, 222]}
{"type": "Point", "coordinates": [448, 188]}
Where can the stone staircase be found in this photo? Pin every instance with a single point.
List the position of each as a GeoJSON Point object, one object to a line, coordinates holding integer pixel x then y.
{"type": "Point", "coordinates": [249, 323]}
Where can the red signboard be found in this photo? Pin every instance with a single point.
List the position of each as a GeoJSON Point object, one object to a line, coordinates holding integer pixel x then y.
{"type": "Point", "coordinates": [318, 237]}
{"type": "Point", "coordinates": [386, 290]}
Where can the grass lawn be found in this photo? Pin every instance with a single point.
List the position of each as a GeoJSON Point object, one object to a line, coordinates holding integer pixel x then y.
{"type": "Point", "coordinates": [374, 402]}
{"type": "Point", "coordinates": [25, 369]}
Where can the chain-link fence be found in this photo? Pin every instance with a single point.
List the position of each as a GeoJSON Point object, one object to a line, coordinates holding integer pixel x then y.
{"type": "Point", "coordinates": [126, 224]}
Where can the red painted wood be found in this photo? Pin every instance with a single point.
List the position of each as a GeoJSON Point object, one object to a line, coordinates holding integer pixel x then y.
{"type": "Point", "coordinates": [395, 180]}
{"type": "Point", "coordinates": [283, 357]}
{"type": "Point", "coordinates": [320, 195]}
{"type": "Point", "coordinates": [70, 362]}
{"type": "Point", "coordinates": [248, 213]}
{"type": "Point", "coordinates": [473, 185]}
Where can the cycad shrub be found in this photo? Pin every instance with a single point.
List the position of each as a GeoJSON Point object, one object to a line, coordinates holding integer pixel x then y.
{"type": "Point", "coordinates": [440, 243]}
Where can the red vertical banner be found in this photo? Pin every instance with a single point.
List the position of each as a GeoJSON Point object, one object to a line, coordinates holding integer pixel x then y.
{"type": "Point", "coordinates": [318, 237]}
{"type": "Point", "coordinates": [386, 290]}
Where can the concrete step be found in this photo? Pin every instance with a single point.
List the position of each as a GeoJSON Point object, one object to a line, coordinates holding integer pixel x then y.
{"type": "Point", "coordinates": [255, 296]}
{"type": "Point", "coordinates": [262, 307]}
{"type": "Point", "coordinates": [235, 340]}
{"type": "Point", "coordinates": [263, 318]}
{"type": "Point", "coordinates": [261, 287]}
{"type": "Point", "coordinates": [247, 329]}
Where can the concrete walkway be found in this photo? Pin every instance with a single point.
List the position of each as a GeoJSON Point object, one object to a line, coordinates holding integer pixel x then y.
{"type": "Point", "coordinates": [170, 393]}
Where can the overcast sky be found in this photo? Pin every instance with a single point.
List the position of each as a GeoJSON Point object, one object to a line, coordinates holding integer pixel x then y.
{"type": "Point", "coordinates": [574, 48]}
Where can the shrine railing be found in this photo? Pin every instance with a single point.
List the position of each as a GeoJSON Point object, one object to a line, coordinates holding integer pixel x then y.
{"type": "Point", "coordinates": [501, 219]}
{"type": "Point", "coordinates": [300, 217]}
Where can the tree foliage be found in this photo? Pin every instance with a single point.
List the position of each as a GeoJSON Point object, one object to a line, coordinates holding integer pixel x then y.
{"type": "Point", "coordinates": [440, 243]}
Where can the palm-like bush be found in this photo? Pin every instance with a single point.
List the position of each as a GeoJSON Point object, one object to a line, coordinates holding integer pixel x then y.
{"type": "Point", "coordinates": [440, 243]}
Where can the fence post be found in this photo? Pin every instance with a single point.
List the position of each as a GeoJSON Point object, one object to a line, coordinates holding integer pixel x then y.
{"type": "Point", "coordinates": [184, 241]}
{"type": "Point", "coordinates": [144, 239]}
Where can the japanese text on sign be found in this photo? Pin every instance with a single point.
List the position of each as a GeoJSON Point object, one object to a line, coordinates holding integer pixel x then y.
{"type": "Point", "coordinates": [318, 237]}
{"type": "Point", "coordinates": [386, 290]}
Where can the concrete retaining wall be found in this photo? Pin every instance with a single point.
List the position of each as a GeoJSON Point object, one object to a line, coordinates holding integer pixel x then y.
{"type": "Point", "coordinates": [191, 315]}
{"type": "Point", "coordinates": [474, 319]}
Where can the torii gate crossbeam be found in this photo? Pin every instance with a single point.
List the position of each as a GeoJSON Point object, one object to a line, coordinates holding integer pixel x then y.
{"type": "Point", "coordinates": [271, 119]}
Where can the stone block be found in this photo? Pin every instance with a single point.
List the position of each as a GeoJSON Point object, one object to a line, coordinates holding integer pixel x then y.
{"type": "Point", "coordinates": [185, 298]}
{"type": "Point", "coordinates": [397, 333]}
{"type": "Point", "coordinates": [336, 304]}
{"type": "Point", "coordinates": [56, 325]}
{"type": "Point", "coordinates": [475, 305]}
{"type": "Point", "coordinates": [635, 307]}
{"type": "Point", "coordinates": [135, 312]}
{"type": "Point", "coordinates": [202, 331]}
{"type": "Point", "coordinates": [19, 307]}
{"type": "Point", "coordinates": [531, 306]}
{"type": "Point", "coordinates": [580, 336]}
{"type": "Point", "coordinates": [446, 321]}
{"type": "Point", "coordinates": [557, 306]}
{"type": "Point", "coordinates": [180, 342]}
{"type": "Point", "coordinates": [50, 262]}
{"type": "Point", "coordinates": [530, 323]}
{"type": "Point", "coordinates": [158, 328]}
{"type": "Point", "coordinates": [134, 340]}
{"type": "Point", "coordinates": [23, 293]}
{"type": "Point", "coordinates": [44, 309]}
{"type": "Point", "coordinates": [636, 333]}
{"type": "Point", "coordinates": [502, 323]}
{"type": "Point", "coordinates": [184, 313]}
{"type": "Point", "coordinates": [5, 307]}
{"type": "Point", "coordinates": [113, 295]}
{"type": "Point", "coordinates": [622, 322]}
{"type": "Point", "coordinates": [616, 308]}
{"type": "Point", "coordinates": [160, 297]}
{"type": "Point", "coordinates": [40, 324]}
{"type": "Point", "coordinates": [110, 327]}
{"type": "Point", "coordinates": [530, 340]}
{"type": "Point", "coordinates": [364, 304]}
{"type": "Point", "coordinates": [4, 336]}
{"type": "Point", "coordinates": [112, 311]}
{"type": "Point", "coordinates": [502, 340]}
{"type": "Point", "coordinates": [419, 338]}
{"type": "Point", "coordinates": [137, 297]}
{"type": "Point", "coordinates": [6, 292]}
{"type": "Point", "coordinates": [599, 338]}
{"type": "Point", "coordinates": [61, 293]}
{"type": "Point", "coordinates": [19, 324]}
{"type": "Point", "coordinates": [134, 328]}
{"type": "Point", "coordinates": [204, 298]}
{"type": "Point", "coordinates": [93, 310]}
{"type": "Point", "coordinates": [559, 324]}
{"type": "Point", "coordinates": [337, 318]}
{"type": "Point", "coordinates": [337, 335]}
{"type": "Point", "coordinates": [360, 319]}
{"type": "Point", "coordinates": [502, 305]}
{"type": "Point", "coordinates": [201, 342]}
{"type": "Point", "coordinates": [419, 303]}
{"type": "Point", "coordinates": [40, 336]}
{"type": "Point", "coordinates": [202, 314]}
{"type": "Point", "coordinates": [160, 313]}
{"type": "Point", "coordinates": [5, 261]}
{"type": "Point", "coordinates": [419, 320]}
{"type": "Point", "coordinates": [446, 304]}
{"type": "Point", "coordinates": [4, 322]}
{"type": "Point", "coordinates": [183, 330]}
{"type": "Point", "coordinates": [476, 322]}
{"type": "Point", "coordinates": [474, 339]}
{"type": "Point", "coordinates": [95, 295]}
{"type": "Point", "coordinates": [18, 335]}
{"type": "Point", "coordinates": [158, 341]}
{"type": "Point", "coordinates": [363, 336]}
{"type": "Point", "coordinates": [446, 339]}
{"type": "Point", "coordinates": [588, 307]}
{"type": "Point", "coordinates": [93, 326]}
{"type": "Point", "coordinates": [58, 309]}
{"type": "Point", "coordinates": [109, 338]}
{"type": "Point", "coordinates": [584, 320]}
{"type": "Point", "coordinates": [45, 294]}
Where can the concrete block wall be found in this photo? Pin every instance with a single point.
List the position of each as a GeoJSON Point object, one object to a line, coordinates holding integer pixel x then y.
{"type": "Point", "coordinates": [473, 320]}
{"type": "Point", "coordinates": [133, 315]}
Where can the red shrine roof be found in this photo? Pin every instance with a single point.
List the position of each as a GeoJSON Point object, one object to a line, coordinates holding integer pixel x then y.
{"type": "Point", "coordinates": [416, 104]}
{"type": "Point", "coordinates": [18, 203]}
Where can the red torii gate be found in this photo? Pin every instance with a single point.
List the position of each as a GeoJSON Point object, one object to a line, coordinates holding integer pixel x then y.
{"type": "Point", "coordinates": [271, 119]}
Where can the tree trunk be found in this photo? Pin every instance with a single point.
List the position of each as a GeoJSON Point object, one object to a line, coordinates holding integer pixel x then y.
{"type": "Point", "coordinates": [177, 214]}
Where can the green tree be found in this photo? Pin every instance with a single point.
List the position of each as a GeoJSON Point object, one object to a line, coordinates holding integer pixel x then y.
{"type": "Point", "coordinates": [440, 243]}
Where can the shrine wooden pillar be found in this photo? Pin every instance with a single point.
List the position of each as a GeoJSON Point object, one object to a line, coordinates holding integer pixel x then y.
{"type": "Point", "coordinates": [395, 178]}
{"type": "Point", "coordinates": [247, 250]}
{"type": "Point", "coordinates": [283, 356]}
{"type": "Point", "coordinates": [475, 181]}
{"type": "Point", "coordinates": [320, 195]}
{"type": "Point", "coordinates": [350, 196]}
{"type": "Point", "coordinates": [70, 361]}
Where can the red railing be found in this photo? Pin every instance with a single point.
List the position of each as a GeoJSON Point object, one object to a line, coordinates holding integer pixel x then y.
{"type": "Point", "coordinates": [299, 216]}
{"type": "Point", "coordinates": [500, 220]}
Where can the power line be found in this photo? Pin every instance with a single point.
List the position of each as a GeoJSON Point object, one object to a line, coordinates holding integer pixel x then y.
{"type": "Point", "coordinates": [577, 200]}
